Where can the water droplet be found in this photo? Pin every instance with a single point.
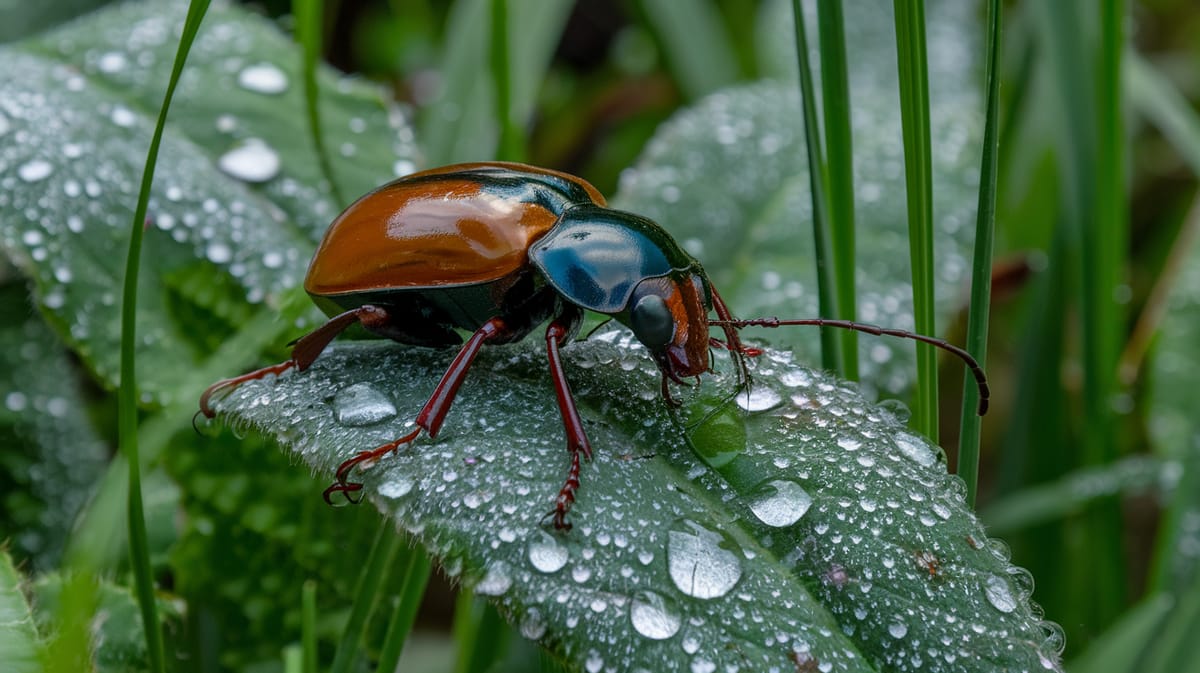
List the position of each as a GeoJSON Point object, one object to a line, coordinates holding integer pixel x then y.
{"type": "Point", "coordinates": [898, 629]}
{"type": "Point", "coordinates": [496, 581]}
{"type": "Point", "coordinates": [532, 625]}
{"type": "Point", "coordinates": [758, 397]}
{"type": "Point", "coordinates": [123, 116]}
{"type": "Point", "coordinates": [915, 449]}
{"type": "Point", "coordinates": [112, 62]}
{"type": "Point", "coordinates": [218, 252]}
{"type": "Point", "coordinates": [252, 161]}
{"type": "Point", "coordinates": [403, 167]}
{"type": "Point", "coordinates": [594, 662]}
{"type": "Point", "coordinates": [999, 595]}
{"type": "Point", "coordinates": [263, 78]}
{"type": "Point", "coordinates": [654, 616]}
{"type": "Point", "coordinates": [779, 503]}
{"type": "Point", "coordinates": [719, 436]}
{"type": "Point", "coordinates": [547, 554]}
{"type": "Point", "coordinates": [395, 487]}
{"type": "Point", "coordinates": [702, 665]}
{"type": "Point", "coordinates": [703, 563]}
{"type": "Point", "coordinates": [35, 170]}
{"type": "Point", "coordinates": [362, 404]}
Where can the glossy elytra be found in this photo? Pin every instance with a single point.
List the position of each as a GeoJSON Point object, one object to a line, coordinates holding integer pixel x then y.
{"type": "Point", "coordinates": [497, 249]}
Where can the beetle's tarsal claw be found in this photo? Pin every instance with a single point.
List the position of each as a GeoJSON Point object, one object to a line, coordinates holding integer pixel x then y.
{"type": "Point", "coordinates": [346, 489]}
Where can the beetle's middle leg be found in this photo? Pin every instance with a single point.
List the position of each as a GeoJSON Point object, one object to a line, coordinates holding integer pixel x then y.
{"type": "Point", "coordinates": [433, 414]}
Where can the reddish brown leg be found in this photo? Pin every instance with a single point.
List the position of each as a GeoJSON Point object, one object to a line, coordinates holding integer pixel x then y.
{"type": "Point", "coordinates": [304, 351]}
{"type": "Point", "coordinates": [577, 441]}
{"type": "Point", "coordinates": [732, 340]}
{"type": "Point", "coordinates": [432, 415]}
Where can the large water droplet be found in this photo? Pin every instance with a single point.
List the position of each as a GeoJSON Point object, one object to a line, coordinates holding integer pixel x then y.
{"type": "Point", "coordinates": [654, 616]}
{"type": "Point", "coordinates": [496, 581]}
{"type": "Point", "coordinates": [547, 554]}
{"type": "Point", "coordinates": [779, 502]}
{"type": "Point", "coordinates": [719, 436]}
{"type": "Point", "coordinates": [999, 594]}
{"type": "Point", "coordinates": [362, 404]}
{"type": "Point", "coordinates": [253, 161]}
{"type": "Point", "coordinates": [915, 449]}
{"type": "Point", "coordinates": [263, 78]}
{"type": "Point", "coordinates": [703, 563]}
{"type": "Point", "coordinates": [758, 397]}
{"type": "Point", "coordinates": [396, 487]}
{"type": "Point", "coordinates": [35, 170]}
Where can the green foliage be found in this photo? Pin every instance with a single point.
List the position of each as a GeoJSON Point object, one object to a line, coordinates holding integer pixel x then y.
{"type": "Point", "coordinates": [883, 544]}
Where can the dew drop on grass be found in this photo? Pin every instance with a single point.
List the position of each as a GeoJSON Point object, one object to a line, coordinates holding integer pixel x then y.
{"type": "Point", "coordinates": [703, 563]}
{"type": "Point", "coordinates": [654, 616]}
{"type": "Point", "coordinates": [362, 404]}
{"type": "Point", "coordinates": [532, 625]}
{"type": "Point", "coordinates": [547, 554]}
{"type": "Point", "coordinates": [779, 502]}
{"type": "Point", "coordinates": [263, 78]}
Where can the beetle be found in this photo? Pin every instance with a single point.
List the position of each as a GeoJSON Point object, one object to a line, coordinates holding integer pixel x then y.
{"type": "Point", "coordinates": [497, 249]}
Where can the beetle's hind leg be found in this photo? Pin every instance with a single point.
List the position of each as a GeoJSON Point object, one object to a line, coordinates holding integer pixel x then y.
{"type": "Point", "coordinates": [304, 351]}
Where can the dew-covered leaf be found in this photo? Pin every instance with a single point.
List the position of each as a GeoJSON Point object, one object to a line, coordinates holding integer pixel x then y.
{"type": "Point", "coordinates": [729, 178]}
{"type": "Point", "coordinates": [829, 538]}
{"type": "Point", "coordinates": [238, 200]}
{"type": "Point", "coordinates": [52, 456]}
{"type": "Point", "coordinates": [18, 634]}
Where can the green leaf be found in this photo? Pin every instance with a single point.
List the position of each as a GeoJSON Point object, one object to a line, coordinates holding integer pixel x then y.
{"type": "Point", "coordinates": [18, 635]}
{"type": "Point", "coordinates": [833, 535]}
{"type": "Point", "coordinates": [22, 19]}
{"type": "Point", "coordinates": [239, 196]}
{"type": "Point", "coordinates": [52, 455]}
{"type": "Point", "coordinates": [728, 178]}
{"type": "Point", "coordinates": [118, 645]}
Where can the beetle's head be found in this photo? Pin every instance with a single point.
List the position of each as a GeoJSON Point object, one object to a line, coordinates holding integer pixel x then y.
{"type": "Point", "coordinates": [669, 315]}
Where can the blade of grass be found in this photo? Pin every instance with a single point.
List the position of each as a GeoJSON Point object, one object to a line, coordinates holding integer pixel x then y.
{"type": "Point", "coordinates": [512, 142]}
{"type": "Point", "coordinates": [309, 15]}
{"type": "Point", "coordinates": [308, 626]}
{"type": "Point", "coordinates": [918, 163]}
{"type": "Point", "coordinates": [1120, 648]}
{"type": "Point", "coordinates": [981, 269]}
{"type": "Point", "coordinates": [408, 601]}
{"type": "Point", "coordinates": [127, 410]}
{"type": "Point", "coordinates": [481, 634]}
{"type": "Point", "coordinates": [831, 352]}
{"type": "Point", "coordinates": [696, 45]}
{"type": "Point", "coordinates": [366, 594]}
{"type": "Point", "coordinates": [835, 105]}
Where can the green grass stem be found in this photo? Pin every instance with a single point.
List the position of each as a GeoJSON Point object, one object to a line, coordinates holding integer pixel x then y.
{"type": "Point", "coordinates": [695, 43]}
{"type": "Point", "coordinates": [918, 173]}
{"type": "Point", "coordinates": [480, 632]}
{"type": "Point", "coordinates": [127, 398]}
{"type": "Point", "coordinates": [366, 593]}
{"type": "Point", "coordinates": [308, 625]}
{"type": "Point", "coordinates": [981, 269]}
{"type": "Point", "coordinates": [511, 146]}
{"type": "Point", "coordinates": [415, 567]}
{"type": "Point", "coordinates": [839, 150]}
{"type": "Point", "coordinates": [831, 344]}
{"type": "Point", "coordinates": [309, 15]}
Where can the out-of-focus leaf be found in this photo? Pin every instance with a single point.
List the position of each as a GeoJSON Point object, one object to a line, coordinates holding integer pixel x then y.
{"type": "Point", "coordinates": [830, 536]}
{"type": "Point", "coordinates": [238, 200]}
{"type": "Point", "coordinates": [118, 645]}
{"type": "Point", "coordinates": [18, 635]}
{"type": "Point", "coordinates": [52, 456]}
{"type": "Point", "coordinates": [728, 177]}
{"type": "Point", "coordinates": [20, 19]}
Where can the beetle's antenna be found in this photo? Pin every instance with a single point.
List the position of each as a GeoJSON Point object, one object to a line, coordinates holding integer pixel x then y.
{"type": "Point", "coordinates": [972, 364]}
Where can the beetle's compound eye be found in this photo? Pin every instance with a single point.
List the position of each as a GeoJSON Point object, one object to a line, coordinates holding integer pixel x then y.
{"type": "Point", "coordinates": [652, 321]}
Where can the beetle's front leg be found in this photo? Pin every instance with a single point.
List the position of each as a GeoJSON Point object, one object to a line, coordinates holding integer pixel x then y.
{"type": "Point", "coordinates": [557, 333]}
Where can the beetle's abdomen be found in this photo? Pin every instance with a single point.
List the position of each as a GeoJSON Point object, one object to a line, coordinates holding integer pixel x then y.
{"type": "Point", "coordinates": [408, 235]}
